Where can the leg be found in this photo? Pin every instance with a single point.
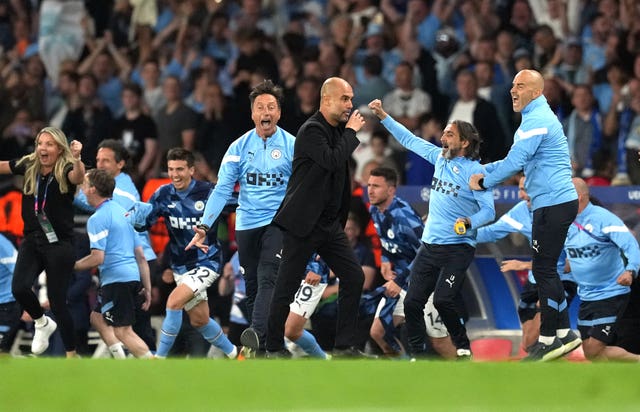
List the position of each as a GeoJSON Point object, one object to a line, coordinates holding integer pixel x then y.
{"type": "Point", "coordinates": [107, 334]}
{"type": "Point", "coordinates": [550, 226]}
{"type": "Point", "coordinates": [295, 255]}
{"type": "Point", "coordinates": [209, 328]}
{"type": "Point", "coordinates": [339, 256]}
{"type": "Point", "coordinates": [59, 260]}
{"type": "Point", "coordinates": [267, 272]}
{"type": "Point", "coordinates": [529, 314]}
{"type": "Point", "coordinates": [249, 254]}
{"type": "Point", "coordinates": [28, 266]}
{"type": "Point", "coordinates": [423, 280]}
{"type": "Point", "coordinates": [449, 286]}
{"type": "Point", "coordinates": [132, 341]}
{"type": "Point", "coordinates": [295, 332]}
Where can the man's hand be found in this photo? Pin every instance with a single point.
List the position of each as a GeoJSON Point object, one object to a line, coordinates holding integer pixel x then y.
{"type": "Point", "coordinates": [474, 181]}
{"type": "Point", "coordinates": [147, 299]}
{"type": "Point", "coordinates": [76, 149]}
{"type": "Point", "coordinates": [312, 278]}
{"type": "Point", "coordinates": [376, 108]}
{"type": "Point", "coordinates": [386, 270]}
{"type": "Point", "coordinates": [356, 121]}
{"type": "Point", "coordinates": [625, 279]}
{"type": "Point", "coordinates": [508, 265]}
{"type": "Point", "coordinates": [392, 289]}
{"type": "Point", "coordinates": [198, 239]}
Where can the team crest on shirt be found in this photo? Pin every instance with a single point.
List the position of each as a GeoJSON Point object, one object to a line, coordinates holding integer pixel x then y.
{"type": "Point", "coordinates": [390, 234]}
{"type": "Point", "coordinates": [199, 205]}
{"type": "Point", "coordinates": [456, 170]}
{"type": "Point", "coordinates": [588, 227]}
{"type": "Point", "coordinates": [276, 154]}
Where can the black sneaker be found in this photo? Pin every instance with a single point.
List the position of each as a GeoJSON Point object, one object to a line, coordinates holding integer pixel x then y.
{"type": "Point", "coordinates": [280, 354]}
{"type": "Point", "coordinates": [351, 353]}
{"type": "Point", "coordinates": [570, 342]}
{"type": "Point", "coordinates": [539, 352]}
{"type": "Point", "coordinates": [249, 339]}
{"type": "Point", "coordinates": [464, 355]}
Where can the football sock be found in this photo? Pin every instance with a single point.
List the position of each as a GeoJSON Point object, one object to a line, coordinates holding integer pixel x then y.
{"type": "Point", "coordinates": [214, 335]}
{"type": "Point", "coordinates": [117, 351]}
{"type": "Point", "coordinates": [41, 321]}
{"type": "Point", "coordinates": [170, 329]}
{"type": "Point", "coordinates": [561, 333]}
{"type": "Point", "coordinates": [547, 340]}
{"type": "Point", "coordinates": [309, 344]}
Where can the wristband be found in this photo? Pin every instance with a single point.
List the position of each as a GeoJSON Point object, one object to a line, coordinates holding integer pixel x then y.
{"type": "Point", "coordinates": [481, 184]}
{"type": "Point", "coordinates": [203, 227]}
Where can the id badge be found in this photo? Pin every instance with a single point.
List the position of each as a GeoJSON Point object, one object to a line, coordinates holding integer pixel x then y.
{"type": "Point", "coordinates": [47, 228]}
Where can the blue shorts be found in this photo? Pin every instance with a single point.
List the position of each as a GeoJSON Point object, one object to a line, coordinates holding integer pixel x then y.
{"type": "Point", "coordinates": [597, 318]}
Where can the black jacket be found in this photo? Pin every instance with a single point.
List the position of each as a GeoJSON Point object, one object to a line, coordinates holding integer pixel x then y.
{"type": "Point", "coordinates": [319, 187]}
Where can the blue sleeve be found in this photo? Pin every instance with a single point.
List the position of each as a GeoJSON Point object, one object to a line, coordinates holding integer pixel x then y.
{"type": "Point", "coordinates": [494, 231]}
{"type": "Point", "coordinates": [227, 177]}
{"type": "Point", "coordinates": [622, 237]}
{"type": "Point", "coordinates": [421, 147]}
{"type": "Point", "coordinates": [141, 216]}
{"type": "Point", "coordinates": [80, 201]}
{"type": "Point", "coordinates": [98, 231]}
{"type": "Point", "coordinates": [521, 152]}
{"type": "Point", "coordinates": [487, 211]}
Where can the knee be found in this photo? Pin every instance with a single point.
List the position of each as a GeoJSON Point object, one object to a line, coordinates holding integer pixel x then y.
{"type": "Point", "coordinates": [593, 349]}
{"type": "Point", "coordinates": [292, 333]}
{"type": "Point", "coordinates": [174, 303]}
{"type": "Point", "coordinates": [442, 302]}
{"type": "Point", "coordinates": [198, 321]}
{"type": "Point", "coordinates": [413, 306]}
{"type": "Point", "coordinates": [121, 332]}
{"type": "Point", "coordinates": [377, 331]}
{"type": "Point", "coordinates": [267, 274]}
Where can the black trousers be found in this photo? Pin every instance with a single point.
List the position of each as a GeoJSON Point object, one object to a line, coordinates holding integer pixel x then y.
{"type": "Point", "coordinates": [57, 259]}
{"type": "Point", "coordinates": [550, 226]}
{"type": "Point", "coordinates": [259, 253]}
{"type": "Point", "coordinates": [441, 270]}
{"type": "Point", "coordinates": [332, 245]}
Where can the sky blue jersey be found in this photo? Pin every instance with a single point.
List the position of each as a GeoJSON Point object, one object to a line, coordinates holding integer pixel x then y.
{"type": "Point", "coordinates": [109, 231]}
{"type": "Point", "coordinates": [399, 229]}
{"type": "Point", "coordinates": [540, 148]}
{"type": "Point", "coordinates": [263, 169]}
{"type": "Point", "coordinates": [450, 196]}
{"type": "Point", "coordinates": [8, 257]}
{"type": "Point", "coordinates": [182, 210]}
{"type": "Point", "coordinates": [126, 194]}
{"type": "Point", "coordinates": [594, 243]}
{"type": "Point", "coordinates": [319, 267]}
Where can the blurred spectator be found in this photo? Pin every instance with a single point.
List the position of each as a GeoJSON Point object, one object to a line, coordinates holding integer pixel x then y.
{"type": "Point", "coordinates": [405, 102]}
{"type": "Point", "coordinates": [304, 104]}
{"type": "Point", "coordinates": [419, 172]}
{"type": "Point", "coordinates": [138, 134]}
{"type": "Point", "coordinates": [497, 94]}
{"type": "Point", "coordinates": [90, 122]}
{"type": "Point", "coordinates": [547, 50]}
{"type": "Point", "coordinates": [604, 168]}
{"type": "Point", "coordinates": [583, 128]}
{"type": "Point", "coordinates": [522, 24]}
{"type": "Point", "coordinates": [571, 70]}
{"type": "Point", "coordinates": [200, 80]}
{"type": "Point", "coordinates": [373, 85]}
{"type": "Point", "coordinates": [481, 113]}
{"type": "Point", "coordinates": [154, 98]}
{"type": "Point", "coordinates": [595, 46]}
{"type": "Point", "coordinates": [176, 122]}
{"type": "Point", "coordinates": [217, 43]}
{"type": "Point", "coordinates": [67, 91]}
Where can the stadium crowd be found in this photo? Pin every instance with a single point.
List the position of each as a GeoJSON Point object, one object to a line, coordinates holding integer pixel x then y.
{"type": "Point", "coordinates": [156, 75]}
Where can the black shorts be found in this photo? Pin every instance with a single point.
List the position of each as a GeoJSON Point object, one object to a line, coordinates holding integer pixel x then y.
{"type": "Point", "coordinates": [528, 306]}
{"type": "Point", "coordinates": [597, 319]}
{"type": "Point", "coordinates": [9, 324]}
{"type": "Point", "coordinates": [119, 303]}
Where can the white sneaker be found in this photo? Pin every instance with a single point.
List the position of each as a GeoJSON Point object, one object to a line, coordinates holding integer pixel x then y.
{"type": "Point", "coordinates": [40, 341]}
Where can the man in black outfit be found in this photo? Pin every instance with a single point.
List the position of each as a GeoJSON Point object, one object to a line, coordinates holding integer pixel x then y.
{"type": "Point", "coordinates": [314, 212]}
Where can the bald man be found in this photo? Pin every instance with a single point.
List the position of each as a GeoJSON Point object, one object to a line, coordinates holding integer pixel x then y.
{"type": "Point", "coordinates": [540, 148]}
{"type": "Point", "coordinates": [314, 212]}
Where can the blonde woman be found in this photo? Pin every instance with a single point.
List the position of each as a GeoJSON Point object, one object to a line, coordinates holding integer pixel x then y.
{"type": "Point", "coordinates": [51, 174]}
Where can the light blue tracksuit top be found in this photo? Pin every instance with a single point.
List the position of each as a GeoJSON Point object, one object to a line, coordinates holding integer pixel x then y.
{"type": "Point", "coordinates": [540, 148]}
{"type": "Point", "coordinates": [450, 196]}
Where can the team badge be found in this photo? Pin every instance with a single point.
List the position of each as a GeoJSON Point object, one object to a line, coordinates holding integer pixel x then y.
{"type": "Point", "coordinates": [276, 154]}
{"type": "Point", "coordinates": [588, 227]}
{"type": "Point", "coordinates": [199, 205]}
{"type": "Point", "coordinates": [390, 234]}
{"type": "Point", "coordinates": [456, 170]}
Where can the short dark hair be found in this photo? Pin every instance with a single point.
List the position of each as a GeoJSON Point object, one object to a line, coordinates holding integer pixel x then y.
{"type": "Point", "coordinates": [117, 147]}
{"type": "Point", "coordinates": [102, 181]}
{"type": "Point", "coordinates": [266, 87]}
{"type": "Point", "coordinates": [468, 132]}
{"type": "Point", "coordinates": [178, 153]}
{"type": "Point", "coordinates": [133, 88]}
{"type": "Point", "coordinates": [390, 175]}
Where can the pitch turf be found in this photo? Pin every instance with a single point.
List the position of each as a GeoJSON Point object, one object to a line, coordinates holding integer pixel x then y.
{"type": "Point", "coordinates": [218, 385]}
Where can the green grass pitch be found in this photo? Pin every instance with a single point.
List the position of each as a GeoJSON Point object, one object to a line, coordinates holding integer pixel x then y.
{"type": "Point", "coordinates": [216, 385]}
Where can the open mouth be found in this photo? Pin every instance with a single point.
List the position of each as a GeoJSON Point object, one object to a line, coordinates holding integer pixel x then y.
{"type": "Point", "coordinates": [265, 123]}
